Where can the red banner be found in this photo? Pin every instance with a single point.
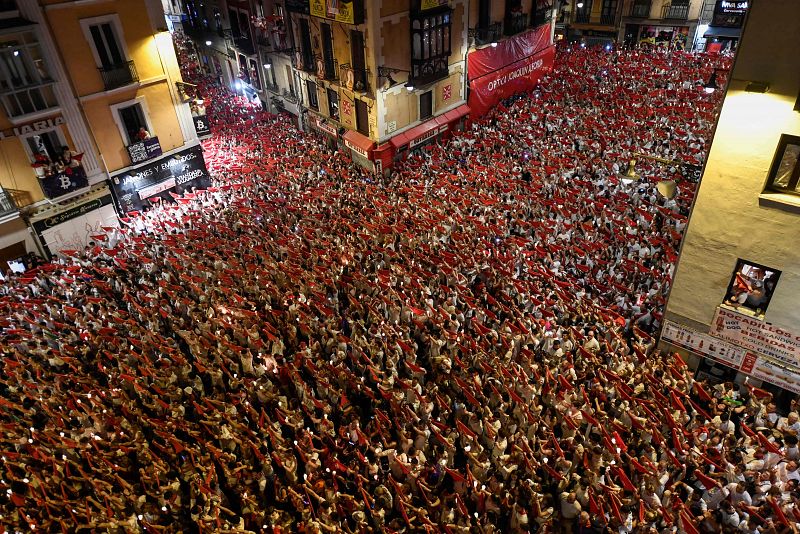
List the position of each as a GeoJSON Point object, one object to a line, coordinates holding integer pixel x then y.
{"type": "Point", "coordinates": [520, 76]}
{"type": "Point", "coordinates": [492, 58]}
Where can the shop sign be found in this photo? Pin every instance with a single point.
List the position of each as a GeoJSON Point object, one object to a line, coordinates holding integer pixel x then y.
{"type": "Point", "coordinates": [703, 344]}
{"type": "Point", "coordinates": [27, 129]}
{"type": "Point", "coordinates": [179, 172]}
{"type": "Point", "coordinates": [356, 149]}
{"type": "Point", "coordinates": [144, 150]}
{"type": "Point", "coordinates": [779, 344]}
{"type": "Point", "coordinates": [338, 10]}
{"type": "Point", "coordinates": [432, 4]}
{"type": "Point", "coordinates": [325, 127]}
{"type": "Point", "coordinates": [72, 213]}
{"type": "Point", "coordinates": [732, 7]}
{"type": "Point", "coordinates": [424, 137]}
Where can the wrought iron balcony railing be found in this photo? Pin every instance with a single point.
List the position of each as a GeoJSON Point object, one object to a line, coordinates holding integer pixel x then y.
{"type": "Point", "coordinates": [119, 75]}
{"type": "Point", "coordinates": [673, 12]}
{"type": "Point", "coordinates": [515, 23]}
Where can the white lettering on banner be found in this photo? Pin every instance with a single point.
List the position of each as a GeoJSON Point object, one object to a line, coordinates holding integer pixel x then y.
{"type": "Point", "coordinates": [516, 73]}
{"type": "Point", "coordinates": [758, 336]}
{"type": "Point", "coordinates": [155, 189]}
{"type": "Point", "coordinates": [419, 140]}
{"type": "Point", "coordinates": [703, 344]}
{"type": "Point", "coordinates": [355, 148]}
{"type": "Point", "coordinates": [325, 127]}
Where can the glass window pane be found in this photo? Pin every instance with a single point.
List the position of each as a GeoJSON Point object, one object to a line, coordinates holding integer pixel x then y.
{"type": "Point", "coordinates": [787, 166]}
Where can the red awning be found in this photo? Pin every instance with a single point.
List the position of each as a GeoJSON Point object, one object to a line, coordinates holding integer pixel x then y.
{"type": "Point", "coordinates": [399, 140]}
{"type": "Point", "coordinates": [355, 140]}
{"type": "Point", "coordinates": [455, 114]}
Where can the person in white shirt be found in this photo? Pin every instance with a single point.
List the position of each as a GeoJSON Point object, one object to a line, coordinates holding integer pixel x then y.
{"type": "Point", "coordinates": [790, 425]}
{"type": "Point", "coordinates": [738, 494]}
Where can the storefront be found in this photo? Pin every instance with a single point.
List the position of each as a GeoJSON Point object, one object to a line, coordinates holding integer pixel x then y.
{"type": "Point", "coordinates": [360, 148]}
{"type": "Point", "coordinates": [329, 131]}
{"type": "Point", "coordinates": [726, 26]}
{"type": "Point", "coordinates": [671, 37]}
{"type": "Point", "coordinates": [77, 226]}
{"type": "Point", "coordinates": [418, 137]}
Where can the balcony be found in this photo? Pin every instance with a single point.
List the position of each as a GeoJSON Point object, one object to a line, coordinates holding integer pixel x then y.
{"type": "Point", "coordinates": [354, 79]}
{"type": "Point", "coordinates": [675, 12]}
{"type": "Point", "coordinates": [488, 34]}
{"type": "Point", "coordinates": [119, 75]}
{"type": "Point", "coordinates": [272, 87]}
{"type": "Point", "coordinates": [541, 15]}
{"type": "Point", "coordinates": [243, 45]}
{"type": "Point", "coordinates": [329, 69]}
{"type": "Point", "coordinates": [640, 9]}
{"type": "Point", "coordinates": [289, 96]}
{"type": "Point", "coordinates": [608, 18]}
{"type": "Point", "coordinates": [7, 204]}
{"type": "Point", "coordinates": [515, 23]}
{"type": "Point", "coordinates": [427, 71]}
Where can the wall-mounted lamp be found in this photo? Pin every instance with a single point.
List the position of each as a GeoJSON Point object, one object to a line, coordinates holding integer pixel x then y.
{"type": "Point", "coordinates": [757, 87]}
{"type": "Point", "coordinates": [386, 72]}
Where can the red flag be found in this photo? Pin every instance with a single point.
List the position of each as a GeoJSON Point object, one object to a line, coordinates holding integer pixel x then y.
{"type": "Point", "coordinates": [462, 428]}
{"type": "Point", "coordinates": [702, 393]}
{"type": "Point", "coordinates": [624, 480]}
{"type": "Point", "coordinates": [706, 481]}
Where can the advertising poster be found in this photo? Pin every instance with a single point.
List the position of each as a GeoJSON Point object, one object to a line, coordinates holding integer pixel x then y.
{"type": "Point", "coordinates": [181, 172]}
{"type": "Point", "coordinates": [777, 343]}
{"type": "Point", "coordinates": [73, 229]}
{"type": "Point", "coordinates": [703, 344]}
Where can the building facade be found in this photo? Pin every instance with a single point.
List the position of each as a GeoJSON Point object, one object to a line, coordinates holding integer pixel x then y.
{"type": "Point", "coordinates": [91, 90]}
{"type": "Point", "coordinates": [378, 79]}
{"type": "Point", "coordinates": [733, 303]}
{"type": "Point", "coordinates": [670, 23]}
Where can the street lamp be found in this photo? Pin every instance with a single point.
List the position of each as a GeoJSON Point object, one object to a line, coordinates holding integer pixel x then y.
{"type": "Point", "coordinates": [208, 43]}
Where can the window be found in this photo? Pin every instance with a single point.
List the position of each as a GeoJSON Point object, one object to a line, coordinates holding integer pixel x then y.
{"type": "Point", "coordinates": [311, 87]}
{"type": "Point", "coordinates": [50, 144]}
{"type": "Point", "coordinates": [327, 52]}
{"type": "Point", "coordinates": [333, 104]}
{"type": "Point", "coordinates": [289, 79]}
{"type": "Point", "coordinates": [106, 45]}
{"type": "Point", "coordinates": [430, 46]}
{"type": "Point", "coordinates": [784, 175]}
{"type": "Point", "coordinates": [362, 117]}
{"type": "Point", "coordinates": [608, 12]}
{"type": "Point", "coordinates": [131, 117]}
{"type": "Point", "coordinates": [425, 105]}
{"type": "Point", "coordinates": [305, 46]}
{"type": "Point", "coordinates": [25, 84]}
{"type": "Point", "coordinates": [255, 80]}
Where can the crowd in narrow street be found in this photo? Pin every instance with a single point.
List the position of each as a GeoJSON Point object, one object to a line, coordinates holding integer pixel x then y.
{"type": "Point", "coordinates": [464, 345]}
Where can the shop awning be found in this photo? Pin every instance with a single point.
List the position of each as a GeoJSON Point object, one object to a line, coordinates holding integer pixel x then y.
{"type": "Point", "coordinates": [358, 142]}
{"type": "Point", "coordinates": [414, 134]}
{"type": "Point", "coordinates": [455, 114]}
{"type": "Point", "coordinates": [718, 31]}
{"type": "Point", "coordinates": [399, 140]}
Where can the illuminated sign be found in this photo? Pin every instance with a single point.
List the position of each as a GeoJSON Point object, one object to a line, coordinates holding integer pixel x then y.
{"type": "Point", "coordinates": [732, 7]}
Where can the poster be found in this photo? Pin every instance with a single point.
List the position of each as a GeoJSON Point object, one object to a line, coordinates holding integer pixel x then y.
{"type": "Point", "coordinates": [758, 336]}
{"type": "Point", "coordinates": [72, 229]}
{"type": "Point", "coordinates": [751, 288]}
{"type": "Point", "coordinates": [201, 126]}
{"type": "Point", "coordinates": [675, 37]}
{"type": "Point", "coordinates": [703, 344]}
{"type": "Point", "coordinates": [144, 150]}
{"type": "Point", "coordinates": [486, 92]}
{"type": "Point", "coordinates": [179, 172]}
{"type": "Point", "coordinates": [61, 183]}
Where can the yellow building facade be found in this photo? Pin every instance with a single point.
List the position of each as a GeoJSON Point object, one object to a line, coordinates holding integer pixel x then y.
{"type": "Point", "coordinates": [733, 303]}
{"type": "Point", "coordinates": [85, 84]}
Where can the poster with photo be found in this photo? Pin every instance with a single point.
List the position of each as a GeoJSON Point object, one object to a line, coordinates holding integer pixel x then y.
{"type": "Point", "coordinates": [751, 288]}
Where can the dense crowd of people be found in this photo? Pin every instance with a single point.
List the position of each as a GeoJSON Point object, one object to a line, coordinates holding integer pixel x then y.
{"type": "Point", "coordinates": [465, 345]}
